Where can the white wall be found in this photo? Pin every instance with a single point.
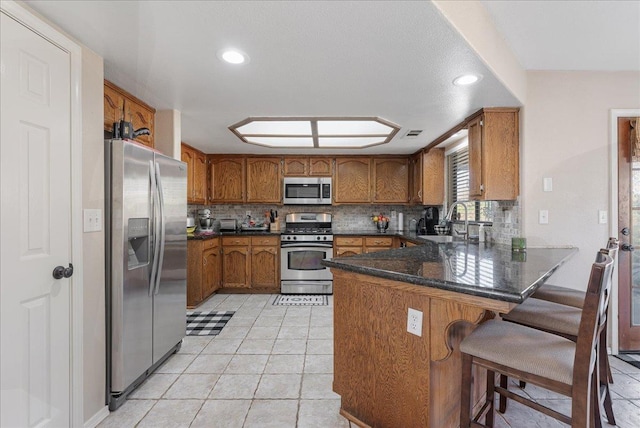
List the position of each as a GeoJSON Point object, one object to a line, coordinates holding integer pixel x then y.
{"type": "Point", "coordinates": [93, 242]}
{"type": "Point", "coordinates": [565, 136]}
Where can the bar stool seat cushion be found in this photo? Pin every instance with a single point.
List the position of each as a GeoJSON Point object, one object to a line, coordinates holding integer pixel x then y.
{"type": "Point", "coordinates": [562, 295]}
{"type": "Point", "coordinates": [546, 315]}
{"type": "Point", "coordinates": [523, 348]}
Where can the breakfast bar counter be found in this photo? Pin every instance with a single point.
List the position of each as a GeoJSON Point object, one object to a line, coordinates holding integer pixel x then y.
{"type": "Point", "coordinates": [388, 377]}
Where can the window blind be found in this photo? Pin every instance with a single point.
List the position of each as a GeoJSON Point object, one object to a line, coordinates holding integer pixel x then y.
{"type": "Point", "coordinates": [458, 187]}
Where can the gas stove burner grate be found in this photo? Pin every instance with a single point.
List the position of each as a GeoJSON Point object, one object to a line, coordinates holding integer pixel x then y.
{"type": "Point", "coordinates": [306, 231]}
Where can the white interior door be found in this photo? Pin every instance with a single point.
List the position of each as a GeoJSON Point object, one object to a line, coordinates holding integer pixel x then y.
{"type": "Point", "coordinates": [35, 190]}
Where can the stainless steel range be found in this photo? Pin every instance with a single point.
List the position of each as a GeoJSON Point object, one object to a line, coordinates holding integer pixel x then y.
{"type": "Point", "coordinates": [305, 242]}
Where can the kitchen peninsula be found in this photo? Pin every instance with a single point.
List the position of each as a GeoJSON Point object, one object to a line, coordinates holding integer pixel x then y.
{"type": "Point", "coordinates": [389, 377]}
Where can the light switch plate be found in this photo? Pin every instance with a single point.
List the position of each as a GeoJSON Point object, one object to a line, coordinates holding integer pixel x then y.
{"type": "Point", "coordinates": [547, 184]}
{"type": "Point", "coordinates": [602, 217]}
{"type": "Point", "coordinates": [543, 217]}
{"type": "Point", "coordinates": [92, 220]}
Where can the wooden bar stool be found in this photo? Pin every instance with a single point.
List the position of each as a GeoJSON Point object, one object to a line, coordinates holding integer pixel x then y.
{"type": "Point", "coordinates": [564, 320]}
{"type": "Point", "coordinates": [544, 359]}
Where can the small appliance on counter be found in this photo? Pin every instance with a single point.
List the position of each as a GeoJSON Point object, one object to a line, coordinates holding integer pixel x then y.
{"type": "Point", "coordinates": [429, 219]}
{"type": "Point", "coordinates": [228, 224]}
{"type": "Point", "coordinates": [205, 222]}
{"type": "Point", "coordinates": [191, 225]}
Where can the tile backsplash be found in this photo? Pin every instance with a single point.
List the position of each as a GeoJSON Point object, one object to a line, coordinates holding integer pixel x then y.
{"type": "Point", "coordinates": [505, 214]}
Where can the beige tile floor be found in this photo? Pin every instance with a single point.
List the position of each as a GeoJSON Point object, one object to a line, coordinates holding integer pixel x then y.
{"type": "Point", "coordinates": [271, 366]}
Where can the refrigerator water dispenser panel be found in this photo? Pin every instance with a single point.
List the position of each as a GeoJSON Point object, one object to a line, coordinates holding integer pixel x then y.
{"type": "Point", "coordinates": [139, 242]}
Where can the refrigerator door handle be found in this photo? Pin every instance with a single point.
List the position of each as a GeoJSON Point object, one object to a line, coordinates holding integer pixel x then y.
{"type": "Point", "coordinates": [155, 228]}
{"type": "Point", "coordinates": [161, 227]}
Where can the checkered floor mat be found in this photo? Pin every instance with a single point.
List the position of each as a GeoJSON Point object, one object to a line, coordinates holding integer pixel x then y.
{"type": "Point", "coordinates": [207, 323]}
{"type": "Point", "coordinates": [301, 300]}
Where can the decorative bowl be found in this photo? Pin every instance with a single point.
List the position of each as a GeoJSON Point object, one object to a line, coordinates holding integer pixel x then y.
{"type": "Point", "coordinates": [382, 226]}
{"type": "Point", "coordinates": [441, 230]}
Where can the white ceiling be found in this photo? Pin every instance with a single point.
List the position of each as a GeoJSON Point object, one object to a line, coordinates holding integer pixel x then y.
{"type": "Point", "coordinates": [571, 35]}
{"type": "Point", "coordinates": [391, 59]}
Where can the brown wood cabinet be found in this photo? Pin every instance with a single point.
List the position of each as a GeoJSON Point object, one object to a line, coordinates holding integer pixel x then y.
{"type": "Point", "coordinates": [264, 181]}
{"type": "Point", "coordinates": [251, 262]}
{"type": "Point", "coordinates": [228, 178]}
{"type": "Point", "coordinates": [320, 167]}
{"type": "Point", "coordinates": [196, 174]}
{"type": "Point", "coordinates": [204, 269]}
{"type": "Point", "coordinates": [494, 151]}
{"type": "Point", "coordinates": [427, 177]}
{"type": "Point", "coordinates": [375, 370]}
{"type": "Point", "coordinates": [352, 181]}
{"type": "Point", "coordinates": [377, 243]}
{"type": "Point", "coordinates": [303, 166]}
{"type": "Point", "coordinates": [390, 178]}
{"type": "Point", "coordinates": [345, 246]}
{"type": "Point", "coordinates": [236, 262]}
{"type": "Point", "coordinates": [265, 262]}
{"type": "Point", "coordinates": [121, 105]}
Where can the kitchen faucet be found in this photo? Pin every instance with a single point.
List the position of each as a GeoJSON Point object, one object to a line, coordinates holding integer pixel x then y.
{"type": "Point", "coordinates": [466, 219]}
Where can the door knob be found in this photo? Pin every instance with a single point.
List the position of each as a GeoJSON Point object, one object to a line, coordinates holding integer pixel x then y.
{"type": "Point", "coordinates": [627, 247]}
{"type": "Point", "coordinates": [60, 272]}
{"type": "Point", "coordinates": [625, 231]}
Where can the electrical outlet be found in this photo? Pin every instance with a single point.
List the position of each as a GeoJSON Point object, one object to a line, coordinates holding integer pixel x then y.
{"type": "Point", "coordinates": [547, 184]}
{"type": "Point", "coordinates": [393, 214]}
{"type": "Point", "coordinates": [414, 322]}
{"type": "Point", "coordinates": [507, 217]}
{"type": "Point", "coordinates": [247, 213]}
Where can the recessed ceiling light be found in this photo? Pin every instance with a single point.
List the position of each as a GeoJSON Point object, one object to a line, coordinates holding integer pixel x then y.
{"type": "Point", "coordinates": [233, 56]}
{"type": "Point", "coordinates": [466, 79]}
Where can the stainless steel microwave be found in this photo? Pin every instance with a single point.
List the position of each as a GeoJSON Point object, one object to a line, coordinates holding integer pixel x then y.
{"type": "Point", "coordinates": [307, 191]}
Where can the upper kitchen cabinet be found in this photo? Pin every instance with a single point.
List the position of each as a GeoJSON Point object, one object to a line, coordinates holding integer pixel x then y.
{"type": "Point", "coordinates": [300, 166]}
{"type": "Point", "coordinates": [227, 179]}
{"type": "Point", "coordinates": [427, 177]}
{"type": "Point", "coordinates": [390, 177]}
{"type": "Point", "coordinates": [352, 182]}
{"type": "Point", "coordinates": [295, 166]}
{"type": "Point", "coordinates": [320, 167]}
{"type": "Point", "coordinates": [264, 182]}
{"type": "Point", "coordinates": [121, 105]}
{"type": "Point", "coordinates": [494, 154]}
{"type": "Point", "coordinates": [196, 174]}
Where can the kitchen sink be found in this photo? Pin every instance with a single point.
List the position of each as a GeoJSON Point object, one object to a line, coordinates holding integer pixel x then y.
{"type": "Point", "coordinates": [441, 239]}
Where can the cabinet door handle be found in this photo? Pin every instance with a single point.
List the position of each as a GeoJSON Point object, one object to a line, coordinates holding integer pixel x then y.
{"type": "Point", "coordinates": [204, 261]}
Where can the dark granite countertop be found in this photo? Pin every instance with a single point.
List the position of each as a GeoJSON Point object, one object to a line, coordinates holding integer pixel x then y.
{"type": "Point", "coordinates": [485, 270]}
{"type": "Point", "coordinates": [231, 233]}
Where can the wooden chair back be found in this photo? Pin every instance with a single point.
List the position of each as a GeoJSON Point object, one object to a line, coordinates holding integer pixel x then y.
{"type": "Point", "coordinates": [593, 321]}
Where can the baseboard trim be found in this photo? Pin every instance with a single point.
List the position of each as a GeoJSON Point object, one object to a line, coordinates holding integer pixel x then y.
{"type": "Point", "coordinates": [97, 418]}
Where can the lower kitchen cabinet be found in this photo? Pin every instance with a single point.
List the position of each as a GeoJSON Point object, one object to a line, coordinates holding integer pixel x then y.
{"type": "Point", "coordinates": [377, 243]}
{"type": "Point", "coordinates": [265, 262]}
{"type": "Point", "coordinates": [236, 262]}
{"type": "Point", "coordinates": [344, 246]}
{"type": "Point", "coordinates": [251, 262]}
{"type": "Point", "coordinates": [203, 271]}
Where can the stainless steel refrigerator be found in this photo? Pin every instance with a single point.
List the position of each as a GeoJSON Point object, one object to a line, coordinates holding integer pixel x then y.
{"type": "Point", "coordinates": [146, 263]}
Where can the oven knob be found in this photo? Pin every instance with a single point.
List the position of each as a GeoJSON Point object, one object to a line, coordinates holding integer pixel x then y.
{"type": "Point", "coordinates": [318, 238]}
{"type": "Point", "coordinates": [294, 238]}
{"type": "Point", "coordinates": [325, 238]}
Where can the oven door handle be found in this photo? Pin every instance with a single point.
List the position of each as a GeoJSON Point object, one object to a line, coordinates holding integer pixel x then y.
{"type": "Point", "coordinates": [305, 244]}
